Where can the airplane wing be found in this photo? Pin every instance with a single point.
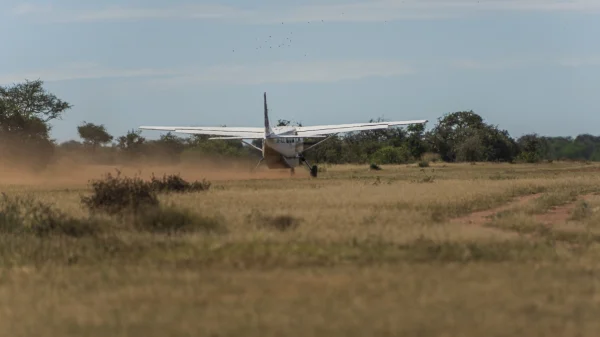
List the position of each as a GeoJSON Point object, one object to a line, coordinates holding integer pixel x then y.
{"type": "Point", "coordinates": [223, 131]}
{"type": "Point", "coordinates": [307, 131]}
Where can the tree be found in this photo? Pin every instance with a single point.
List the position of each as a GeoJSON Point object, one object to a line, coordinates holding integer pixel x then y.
{"type": "Point", "coordinates": [93, 135]}
{"type": "Point", "coordinates": [30, 99]}
{"type": "Point", "coordinates": [168, 146]}
{"type": "Point", "coordinates": [463, 135]}
{"type": "Point", "coordinates": [285, 122]}
{"type": "Point", "coordinates": [416, 144]}
{"type": "Point", "coordinates": [533, 148]}
{"type": "Point", "coordinates": [132, 143]}
{"type": "Point", "coordinates": [25, 111]}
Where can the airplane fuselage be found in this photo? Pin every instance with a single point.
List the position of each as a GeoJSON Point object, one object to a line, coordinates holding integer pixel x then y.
{"type": "Point", "coordinates": [282, 152]}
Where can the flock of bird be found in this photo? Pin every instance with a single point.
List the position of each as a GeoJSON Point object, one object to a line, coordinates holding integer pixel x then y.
{"type": "Point", "coordinates": [268, 42]}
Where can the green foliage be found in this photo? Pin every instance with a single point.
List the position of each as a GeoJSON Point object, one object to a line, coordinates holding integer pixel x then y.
{"type": "Point", "coordinates": [374, 167]}
{"type": "Point", "coordinates": [169, 148]}
{"type": "Point", "coordinates": [132, 143]}
{"type": "Point", "coordinates": [25, 110]}
{"type": "Point", "coordinates": [463, 136]}
{"type": "Point", "coordinates": [533, 148]}
{"type": "Point", "coordinates": [391, 155]}
{"type": "Point", "coordinates": [415, 141]}
{"type": "Point", "coordinates": [93, 134]}
{"type": "Point", "coordinates": [31, 101]}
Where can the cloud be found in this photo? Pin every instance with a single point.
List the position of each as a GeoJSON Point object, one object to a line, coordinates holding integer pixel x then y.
{"type": "Point", "coordinates": [79, 71]}
{"type": "Point", "coordinates": [24, 9]}
{"type": "Point", "coordinates": [289, 72]}
{"type": "Point", "coordinates": [123, 13]}
{"type": "Point", "coordinates": [358, 11]}
{"type": "Point", "coordinates": [527, 61]}
{"type": "Point", "coordinates": [580, 61]}
{"type": "Point", "coordinates": [280, 72]}
{"type": "Point", "coordinates": [472, 64]}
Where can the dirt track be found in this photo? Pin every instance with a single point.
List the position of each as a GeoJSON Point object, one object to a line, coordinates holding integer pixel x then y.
{"type": "Point", "coordinates": [554, 216]}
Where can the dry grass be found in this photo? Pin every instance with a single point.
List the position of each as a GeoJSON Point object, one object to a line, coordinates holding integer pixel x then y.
{"type": "Point", "coordinates": [352, 253]}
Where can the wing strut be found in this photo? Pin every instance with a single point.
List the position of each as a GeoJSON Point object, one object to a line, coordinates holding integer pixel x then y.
{"type": "Point", "coordinates": [317, 143]}
{"type": "Point", "coordinates": [256, 147]}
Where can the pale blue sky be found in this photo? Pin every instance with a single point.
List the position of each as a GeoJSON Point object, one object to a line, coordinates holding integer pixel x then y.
{"type": "Point", "coordinates": [526, 65]}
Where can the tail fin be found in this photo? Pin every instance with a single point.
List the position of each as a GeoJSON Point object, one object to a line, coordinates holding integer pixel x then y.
{"type": "Point", "coordinates": [267, 125]}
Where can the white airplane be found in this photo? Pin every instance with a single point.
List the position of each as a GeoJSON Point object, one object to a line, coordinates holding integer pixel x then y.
{"type": "Point", "coordinates": [282, 146]}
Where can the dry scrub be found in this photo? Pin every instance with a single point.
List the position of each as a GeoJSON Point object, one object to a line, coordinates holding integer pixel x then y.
{"type": "Point", "coordinates": [248, 257]}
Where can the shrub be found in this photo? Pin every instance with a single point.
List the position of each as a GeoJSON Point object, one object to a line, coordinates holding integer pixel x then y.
{"type": "Point", "coordinates": [174, 183]}
{"type": "Point", "coordinates": [25, 215]}
{"type": "Point", "coordinates": [278, 222]}
{"type": "Point", "coordinates": [115, 194]}
{"type": "Point", "coordinates": [171, 220]}
{"type": "Point", "coordinates": [374, 167]}
{"type": "Point", "coordinates": [423, 163]}
{"type": "Point", "coordinates": [392, 155]}
{"type": "Point", "coordinates": [431, 157]}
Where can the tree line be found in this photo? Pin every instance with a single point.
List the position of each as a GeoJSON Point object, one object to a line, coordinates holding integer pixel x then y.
{"type": "Point", "coordinates": [26, 110]}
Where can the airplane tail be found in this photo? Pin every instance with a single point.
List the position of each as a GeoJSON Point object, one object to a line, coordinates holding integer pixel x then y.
{"type": "Point", "coordinates": [268, 130]}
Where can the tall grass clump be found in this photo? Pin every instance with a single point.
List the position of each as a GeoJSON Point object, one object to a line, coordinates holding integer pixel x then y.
{"type": "Point", "coordinates": [20, 215]}
{"type": "Point", "coordinates": [135, 202]}
{"type": "Point", "coordinates": [172, 219]}
{"type": "Point", "coordinates": [174, 183]}
{"type": "Point", "coordinates": [115, 195]}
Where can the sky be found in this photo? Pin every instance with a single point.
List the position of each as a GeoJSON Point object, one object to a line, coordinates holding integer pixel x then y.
{"type": "Point", "coordinates": [528, 66]}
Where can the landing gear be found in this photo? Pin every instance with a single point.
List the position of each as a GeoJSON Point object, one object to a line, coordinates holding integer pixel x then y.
{"type": "Point", "coordinates": [313, 169]}
{"type": "Point", "coordinates": [257, 165]}
{"type": "Point", "coordinates": [292, 171]}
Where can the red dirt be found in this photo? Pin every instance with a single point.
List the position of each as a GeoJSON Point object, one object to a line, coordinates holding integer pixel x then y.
{"type": "Point", "coordinates": [555, 215]}
{"type": "Point", "coordinates": [560, 214]}
{"type": "Point", "coordinates": [481, 217]}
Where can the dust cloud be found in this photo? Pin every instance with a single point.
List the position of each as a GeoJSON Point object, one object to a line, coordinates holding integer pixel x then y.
{"type": "Point", "coordinates": [72, 171]}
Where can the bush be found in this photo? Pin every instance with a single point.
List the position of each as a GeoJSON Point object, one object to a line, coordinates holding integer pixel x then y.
{"type": "Point", "coordinates": [423, 163]}
{"type": "Point", "coordinates": [26, 216]}
{"type": "Point", "coordinates": [174, 183]}
{"type": "Point", "coordinates": [431, 157]}
{"type": "Point", "coordinates": [374, 167]}
{"type": "Point", "coordinates": [171, 220]}
{"type": "Point", "coordinates": [392, 155]}
{"type": "Point", "coordinates": [529, 157]}
{"type": "Point", "coordinates": [115, 194]}
{"type": "Point", "coordinates": [278, 222]}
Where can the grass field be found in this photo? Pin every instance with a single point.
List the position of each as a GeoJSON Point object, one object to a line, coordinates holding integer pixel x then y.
{"type": "Point", "coordinates": [447, 250]}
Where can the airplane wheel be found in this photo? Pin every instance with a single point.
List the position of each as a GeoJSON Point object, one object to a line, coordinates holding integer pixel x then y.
{"type": "Point", "coordinates": [313, 171]}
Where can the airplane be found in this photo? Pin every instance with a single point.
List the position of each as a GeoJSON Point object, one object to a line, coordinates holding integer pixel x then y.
{"type": "Point", "coordinates": [282, 146]}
